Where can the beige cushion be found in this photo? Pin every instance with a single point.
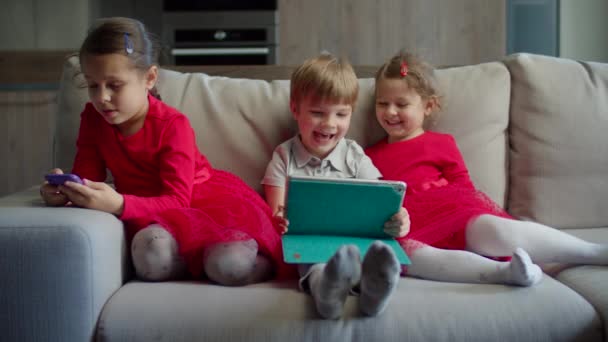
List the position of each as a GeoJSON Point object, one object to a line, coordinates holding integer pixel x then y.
{"type": "Point", "coordinates": [238, 122]}
{"type": "Point", "coordinates": [419, 310]}
{"type": "Point", "coordinates": [559, 168]}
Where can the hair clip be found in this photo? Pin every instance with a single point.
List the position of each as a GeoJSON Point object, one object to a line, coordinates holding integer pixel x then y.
{"type": "Point", "coordinates": [404, 69]}
{"type": "Point", "coordinates": [128, 44]}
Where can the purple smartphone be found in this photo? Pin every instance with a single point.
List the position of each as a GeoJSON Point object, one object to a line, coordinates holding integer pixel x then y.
{"type": "Point", "coordinates": [54, 179]}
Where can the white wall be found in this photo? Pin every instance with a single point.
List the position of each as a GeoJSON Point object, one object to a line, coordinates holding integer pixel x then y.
{"type": "Point", "coordinates": [584, 30]}
{"type": "Point", "coordinates": [43, 24]}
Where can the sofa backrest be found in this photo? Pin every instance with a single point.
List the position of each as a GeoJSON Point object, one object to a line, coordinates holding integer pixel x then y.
{"type": "Point", "coordinates": [559, 149]}
{"type": "Point", "coordinates": [239, 121]}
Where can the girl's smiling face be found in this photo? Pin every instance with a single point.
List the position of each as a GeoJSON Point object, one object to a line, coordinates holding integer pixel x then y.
{"type": "Point", "coordinates": [118, 91]}
{"type": "Point", "coordinates": [321, 124]}
{"type": "Point", "coordinates": [401, 111]}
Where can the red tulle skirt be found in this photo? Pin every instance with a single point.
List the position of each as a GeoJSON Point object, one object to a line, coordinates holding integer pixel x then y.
{"type": "Point", "coordinates": [223, 209]}
{"type": "Point", "coordinates": [439, 216]}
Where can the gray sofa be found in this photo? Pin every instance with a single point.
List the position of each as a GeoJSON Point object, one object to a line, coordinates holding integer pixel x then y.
{"type": "Point", "coordinates": [532, 132]}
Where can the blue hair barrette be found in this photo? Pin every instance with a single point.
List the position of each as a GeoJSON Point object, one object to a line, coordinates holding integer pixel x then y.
{"type": "Point", "coordinates": [128, 44]}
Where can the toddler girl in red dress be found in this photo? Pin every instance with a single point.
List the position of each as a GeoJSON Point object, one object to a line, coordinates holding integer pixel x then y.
{"type": "Point", "coordinates": [452, 223]}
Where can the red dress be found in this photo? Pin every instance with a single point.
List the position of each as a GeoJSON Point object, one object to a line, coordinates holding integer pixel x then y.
{"type": "Point", "coordinates": [440, 197]}
{"type": "Point", "coordinates": [165, 179]}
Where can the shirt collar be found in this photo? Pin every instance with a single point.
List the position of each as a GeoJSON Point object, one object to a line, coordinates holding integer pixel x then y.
{"type": "Point", "coordinates": [337, 157]}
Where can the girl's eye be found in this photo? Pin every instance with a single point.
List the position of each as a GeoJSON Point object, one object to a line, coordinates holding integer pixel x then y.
{"type": "Point", "coordinates": [342, 115]}
{"type": "Point", "coordinates": [316, 113]}
{"type": "Point", "coordinates": [115, 85]}
{"type": "Point", "coordinates": [92, 86]}
{"type": "Point", "coordinates": [402, 105]}
{"type": "Point", "coordinates": [381, 103]}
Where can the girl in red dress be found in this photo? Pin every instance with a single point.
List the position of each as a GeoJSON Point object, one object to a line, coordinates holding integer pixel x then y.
{"type": "Point", "coordinates": [452, 223]}
{"type": "Point", "coordinates": [181, 214]}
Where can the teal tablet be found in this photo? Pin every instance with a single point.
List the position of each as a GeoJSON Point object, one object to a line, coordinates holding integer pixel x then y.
{"type": "Point", "coordinates": [326, 213]}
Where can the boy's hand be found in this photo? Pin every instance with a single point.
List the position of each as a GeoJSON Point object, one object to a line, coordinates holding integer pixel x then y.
{"type": "Point", "coordinates": [50, 193]}
{"type": "Point", "coordinates": [94, 195]}
{"type": "Point", "coordinates": [280, 220]}
{"type": "Point", "coordinates": [399, 224]}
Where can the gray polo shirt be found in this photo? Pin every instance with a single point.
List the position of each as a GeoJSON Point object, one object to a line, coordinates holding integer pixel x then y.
{"type": "Point", "coordinates": [291, 158]}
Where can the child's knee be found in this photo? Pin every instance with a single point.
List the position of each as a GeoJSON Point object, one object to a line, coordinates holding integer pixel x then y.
{"type": "Point", "coordinates": [486, 227]}
{"type": "Point", "coordinates": [155, 254]}
{"type": "Point", "coordinates": [231, 263]}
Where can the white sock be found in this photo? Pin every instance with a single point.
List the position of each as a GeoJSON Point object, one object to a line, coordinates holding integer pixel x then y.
{"type": "Point", "coordinates": [522, 271]}
{"type": "Point", "coordinates": [467, 267]}
{"type": "Point", "coordinates": [379, 278]}
{"type": "Point", "coordinates": [331, 284]}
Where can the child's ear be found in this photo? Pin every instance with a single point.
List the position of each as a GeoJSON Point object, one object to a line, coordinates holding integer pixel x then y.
{"type": "Point", "coordinates": [431, 105]}
{"type": "Point", "coordinates": [293, 107]}
{"type": "Point", "coordinates": [151, 77]}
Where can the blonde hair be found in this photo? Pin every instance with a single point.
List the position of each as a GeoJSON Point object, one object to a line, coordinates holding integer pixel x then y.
{"type": "Point", "coordinates": [325, 77]}
{"type": "Point", "coordinates": [420, 76]}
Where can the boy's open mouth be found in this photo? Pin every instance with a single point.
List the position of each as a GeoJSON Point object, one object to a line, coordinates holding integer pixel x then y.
{"type": "Point", "coordinates": [323, 136]}
{"type": "Point", "coordinates": [393, 123]}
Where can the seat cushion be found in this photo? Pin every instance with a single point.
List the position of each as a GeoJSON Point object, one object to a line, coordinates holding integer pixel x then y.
{"type": "Point", "coordinates": [420, 311]}
{"type": "Point", "coordinates": [591, 282]}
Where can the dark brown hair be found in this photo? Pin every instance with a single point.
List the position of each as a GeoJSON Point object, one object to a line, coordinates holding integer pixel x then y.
{"type": "Point", "coordinates": [124, 36]}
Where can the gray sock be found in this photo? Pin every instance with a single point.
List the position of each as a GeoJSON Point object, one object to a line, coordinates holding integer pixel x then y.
{"type": "Point", "coordinates": [331, 284]}
{"type": "Point", "coordinates": [379, 278]}
{"type": "Point", "coordinates": [155, 255]}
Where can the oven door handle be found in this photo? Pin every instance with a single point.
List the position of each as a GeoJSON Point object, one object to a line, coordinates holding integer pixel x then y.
{"type": "Point", "coordinates": [220, 51]}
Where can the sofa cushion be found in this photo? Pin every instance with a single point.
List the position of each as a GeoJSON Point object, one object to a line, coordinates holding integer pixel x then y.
{"type": "Point", "coordinates": [420, 311]}
{"type": "Point", "coordinates": [589, 280]}
{"type": "Point", "coordinates": [238, 122]}
{"type": "Point", "coordinates": [558, 146]}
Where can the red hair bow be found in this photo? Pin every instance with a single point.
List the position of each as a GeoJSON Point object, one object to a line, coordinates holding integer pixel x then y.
{"type": "Point", "coordinates": [404, 69]}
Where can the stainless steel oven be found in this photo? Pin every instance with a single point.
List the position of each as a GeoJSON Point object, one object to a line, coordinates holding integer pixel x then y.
{"type": "Point", "coordinates": [233, 32]}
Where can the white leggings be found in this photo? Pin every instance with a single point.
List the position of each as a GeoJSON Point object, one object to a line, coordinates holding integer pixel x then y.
{"type": "Point", "coordinates": [496, 236]}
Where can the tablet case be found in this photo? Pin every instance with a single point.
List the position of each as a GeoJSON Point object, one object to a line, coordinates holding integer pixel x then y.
{"type": "Point", "coordinates": [326, 213]}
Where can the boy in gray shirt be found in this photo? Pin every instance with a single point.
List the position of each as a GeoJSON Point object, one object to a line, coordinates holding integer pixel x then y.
{"type": "Point", "coordinates": [324, 90]}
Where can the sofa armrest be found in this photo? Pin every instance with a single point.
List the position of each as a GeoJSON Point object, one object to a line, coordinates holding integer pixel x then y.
{"type": "Point", "coordinates": [59, 266]}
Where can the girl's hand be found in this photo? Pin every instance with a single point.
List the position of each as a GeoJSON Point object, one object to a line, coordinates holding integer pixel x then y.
{"type": "Point", "coordinates": [94, 195]}
{"type": "Point", "coordinates": [399, 224]}
{"type": "Point", "coordinates": [280, 220]}
{"type": "Point", "coordinates": [50, 193]}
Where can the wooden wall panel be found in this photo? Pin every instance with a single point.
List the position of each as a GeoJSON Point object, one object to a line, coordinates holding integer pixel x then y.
{"type": "Point", "coordinates": [17, 25]}
{"type": "Point", "coordinates": [26, 145]}
{"type": "Point", "coordinates": [44, 24]}
{"type": "Point", "coordinates": [445, 32]}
